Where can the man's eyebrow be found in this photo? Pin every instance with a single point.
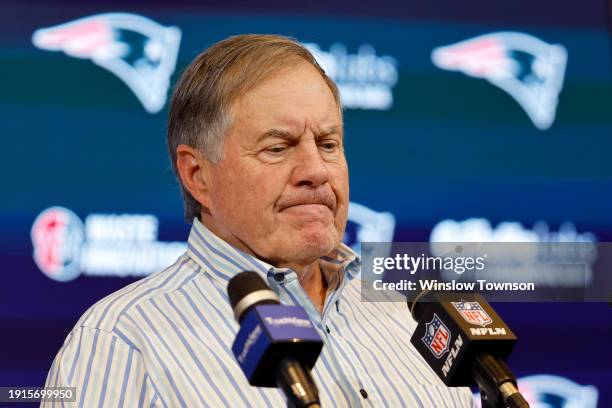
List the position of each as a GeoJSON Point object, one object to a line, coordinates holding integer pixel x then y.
{"type": "Point", "coordinates": [288, 136]}
{"type": "Point", "coordinates": [331, 130]}
{"type": "Point", "coordinates": [279, 133]}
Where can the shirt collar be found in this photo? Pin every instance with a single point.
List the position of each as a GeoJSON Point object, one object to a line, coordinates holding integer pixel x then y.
{"type": "Point", "coordinates": [222, 260]}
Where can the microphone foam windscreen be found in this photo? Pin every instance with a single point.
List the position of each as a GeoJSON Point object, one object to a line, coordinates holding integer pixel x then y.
{"type": "Point", "coordinates": [243, 284]}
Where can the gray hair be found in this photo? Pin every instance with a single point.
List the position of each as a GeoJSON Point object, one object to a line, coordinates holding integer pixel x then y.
{"type": "Point", "coordinates": [199, 111]}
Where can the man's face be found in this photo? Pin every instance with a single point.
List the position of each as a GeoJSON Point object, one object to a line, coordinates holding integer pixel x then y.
{"type": "Point", "coordinates": [281, 190]}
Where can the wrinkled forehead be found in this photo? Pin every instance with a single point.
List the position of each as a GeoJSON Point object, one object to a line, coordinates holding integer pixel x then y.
{"type": "Point", "coordinates": [294, 99]}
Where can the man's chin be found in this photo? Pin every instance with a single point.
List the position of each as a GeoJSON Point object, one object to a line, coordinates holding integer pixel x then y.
{"type": "Point", "coordinates": [306, 242]}
{"type": "Point", "coordinates": [317, 243]}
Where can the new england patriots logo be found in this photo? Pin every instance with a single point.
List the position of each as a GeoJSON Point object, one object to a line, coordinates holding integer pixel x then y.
{"type": "Point", "coordinates": [139, 51]}
{"type": "Point", "coordinates": [527, 68]}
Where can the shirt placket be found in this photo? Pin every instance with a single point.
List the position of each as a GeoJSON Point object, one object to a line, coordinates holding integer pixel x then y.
{"type": "Point", "coordinates": [291, 292]}
{"type": "Point", "coordinates": [364, 387]}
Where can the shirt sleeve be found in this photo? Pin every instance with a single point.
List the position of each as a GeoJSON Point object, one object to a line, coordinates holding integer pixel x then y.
{"type": "Point", "coordinates": [104, 370]}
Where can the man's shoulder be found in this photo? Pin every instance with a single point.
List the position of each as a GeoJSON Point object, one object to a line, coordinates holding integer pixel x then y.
{"type": "Point", "coordinates": [105, 313]}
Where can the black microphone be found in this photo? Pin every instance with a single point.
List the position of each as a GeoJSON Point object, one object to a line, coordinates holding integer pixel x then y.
{"type": "Point", "coordinates": [277, 345]}
{"type": "Point", "coordinates": [466, 343]}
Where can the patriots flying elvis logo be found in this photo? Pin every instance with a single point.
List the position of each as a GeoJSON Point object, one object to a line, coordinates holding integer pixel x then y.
{"type": "Point", "coordinates": [527, 68]}
{"type": "Point", "coordinates": [141, 52]}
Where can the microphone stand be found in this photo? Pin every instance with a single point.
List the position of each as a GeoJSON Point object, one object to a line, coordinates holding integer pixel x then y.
{"type": "Point", "coordinates": [497, 384]}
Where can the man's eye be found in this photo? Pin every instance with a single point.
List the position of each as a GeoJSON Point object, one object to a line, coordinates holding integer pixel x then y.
{"type": "Point", "coordinates": [329, 146]}
{"type": "Point", "coordinates": [276, 149]}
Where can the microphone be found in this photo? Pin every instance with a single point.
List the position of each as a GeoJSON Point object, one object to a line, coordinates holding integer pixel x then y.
{"type": "Point", "coordinates": [466, 343]}
{"type": "Point", "coordinates": [277, 345]}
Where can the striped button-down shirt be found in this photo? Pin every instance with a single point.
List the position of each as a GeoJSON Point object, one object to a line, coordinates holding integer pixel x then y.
{"type": "Point", "coordinates": [166, 340]}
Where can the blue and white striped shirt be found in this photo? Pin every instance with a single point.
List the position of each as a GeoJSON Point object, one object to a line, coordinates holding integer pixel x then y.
{"type": "Point", "coordinates": [166, 340]}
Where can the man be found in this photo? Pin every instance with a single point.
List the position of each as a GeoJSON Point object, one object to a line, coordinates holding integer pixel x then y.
{"type": "Point", "coordinates": [256, 139]}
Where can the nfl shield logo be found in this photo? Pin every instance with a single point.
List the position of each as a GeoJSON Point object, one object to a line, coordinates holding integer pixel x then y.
{"type": "Point", "coordinates": [436, 336]}
{"type": "Point", "coordinates": [473, 313]}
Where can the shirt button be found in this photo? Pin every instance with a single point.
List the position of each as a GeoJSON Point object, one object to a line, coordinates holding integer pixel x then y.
{"type": "Point", "coordinates": [327, 329]}
{"type": "Point", "coordinates": [279, 277]}
{"type": "Point", "coordinates": [363, 393]}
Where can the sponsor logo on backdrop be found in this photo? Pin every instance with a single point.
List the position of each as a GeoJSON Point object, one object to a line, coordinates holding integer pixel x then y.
{"type": "Point", "coordinates": [141, 52]}
{"type": "Point", "coordinates": [538, 263]}
{"type": "Point", "coordinates": [553, 391]}
{"type": "Point", "coordinates": [437, 336]}
{"type": "Point", "coordinates": [481, 230]}
{"type": "Point", "coordinates": [127, 244]}
{"type": "Point", "coordinates": [365, 80]}
{"type": "Point", "coordinates": [57, 237]}
{"type": "Point", "coordinates": [473, 313]}
{"type": "Point", "coordinates": [529, 69]}
{"type": "Point", "coordinates": [104, 245]}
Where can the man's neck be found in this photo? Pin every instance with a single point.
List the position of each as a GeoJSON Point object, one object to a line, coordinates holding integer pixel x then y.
{"type": "Point", "coordinates": [309, 273]}
{"type": "Point", "coordinates": [312, 280]}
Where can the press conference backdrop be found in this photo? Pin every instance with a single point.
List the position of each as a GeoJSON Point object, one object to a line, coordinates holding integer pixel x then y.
{"type": "Point", "coordinates": [479, 119]}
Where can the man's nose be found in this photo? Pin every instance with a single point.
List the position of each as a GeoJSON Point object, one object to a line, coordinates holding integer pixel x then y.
{"type": "Point", "coordinates": [310, 169]}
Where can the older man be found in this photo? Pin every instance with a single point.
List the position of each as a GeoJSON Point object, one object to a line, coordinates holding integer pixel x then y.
{"type": "Point", "coordinates": [256, 139]}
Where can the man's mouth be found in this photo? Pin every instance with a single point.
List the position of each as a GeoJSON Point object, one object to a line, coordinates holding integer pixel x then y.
{"type": "Point", "coordinates": [307, 207]}
{"type": "Point", "coordinates": [316, 202]}
{"type": "Point", "coordinates": [308, 212]}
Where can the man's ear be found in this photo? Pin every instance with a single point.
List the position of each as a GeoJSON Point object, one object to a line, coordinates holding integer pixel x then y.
{"type": "Point", "coordinates": [194, 171]}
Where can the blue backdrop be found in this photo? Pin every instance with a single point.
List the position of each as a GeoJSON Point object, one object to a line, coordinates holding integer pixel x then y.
{"type": "Point", "coordinates": [499, 129]}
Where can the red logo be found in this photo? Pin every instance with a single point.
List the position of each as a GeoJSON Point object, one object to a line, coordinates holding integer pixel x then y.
{"type": "Point", "coordinates": [437, 336]}
{"type": "Point", "coordinates": [57, 238]}
{"type": "Point", "coordinates": [473, 313]}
